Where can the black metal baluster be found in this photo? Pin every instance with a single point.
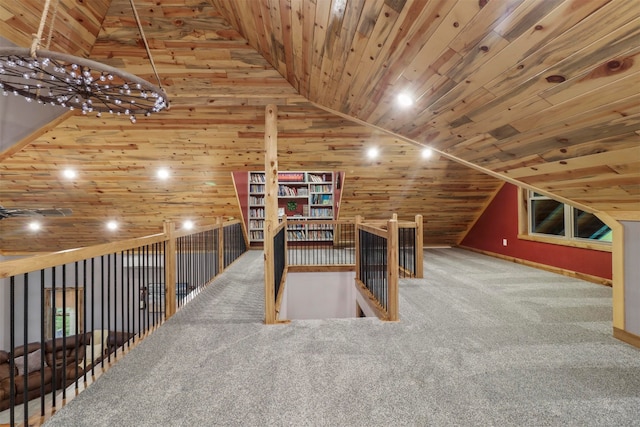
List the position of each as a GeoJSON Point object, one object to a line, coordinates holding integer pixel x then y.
{"type": "Point", "coordinates": [42, 332]}
{"type": "Point", "coordinates": [130, 271]}
{"type": "Point", "coordinates": [54, 284]}
{"type": "Point", "coordinates": [162, 287]}
{"type": "Point", "coordinates": [211, 255]}
{"type": "Point", "coordinates": [206, 272]}
{"type": "Point", "coordinates": [122, 328]}
{"type": "Point", "coordinates": [415, 251]}
{"type": "Point", "coordinates": [192, 262]}
{"type": "Point", "coordinates": [85, 276]}
{"type": "Point", "coordinates": [12, 345]}
{"type": "Point", "coordinates": [108, 305]}
{"type": "Point", "coordinates": [63, 376]}
{"type": "Point", "coordinates": [77, 320]}
{"type": "Point", "coordinates": [142, 290]}
{"type": "Point", "coordinates": [196, 259]}
{"type": "Point", "coordinates": [179, 272]}
{"type": "Point", "coordinates": [102, 275]}
{"type": "Point", "coordinates": [93, 306]}
{"type": "Point", "coordinates": [149, 276]}
{"type": "Point", "coordinates": [25, 341]}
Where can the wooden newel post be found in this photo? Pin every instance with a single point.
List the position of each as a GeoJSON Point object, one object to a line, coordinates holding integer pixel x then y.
{"type": "Point", "coordinates": [419, 247]}
{"type": "Point", "coordinates": [270, 208]}
{"type": "Point", "coordinates": [220, 244]}
{"type": "Point", "coordinates": [356, 239]}
{"type": "Point", "coordinates": [392, 270]}
{"type": "Point", "coordinates": [170, 269]}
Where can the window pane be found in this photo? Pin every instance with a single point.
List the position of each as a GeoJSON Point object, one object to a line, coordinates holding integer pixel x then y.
{"type": "Point", "coordinates": [534, 195]}
{"type": "Point", "coordinates": [588, 226]}
{"type": "Point", "coordinates": [547, 217]}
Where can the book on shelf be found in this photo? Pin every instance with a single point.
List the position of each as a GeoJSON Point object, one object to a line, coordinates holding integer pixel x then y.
{"type": "Point", "coordinates": [256, 224]}
{"type": "Point", "coordinates": [253, 200]}
{"type": "Point", "coordinates": [257, 177]}
{"type": "Point", "coordinates": [321, 212]}
{"type": "Point", "coordinates": [321, 199]}
{"type": "Point", "coordinates": [256, 212]}
{"type": "Point", "coordinates": [321, 188]}
{"type": "Point", "coordinates": [290, 176]}
{"type": "Point", "coordinates": [318, 178]}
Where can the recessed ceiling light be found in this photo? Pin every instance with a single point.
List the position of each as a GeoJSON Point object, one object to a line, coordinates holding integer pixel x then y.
{"type": "Point", "coordinates": [187, 225]}
{"type": "Point", "coordinates": [426, 153]}
{"type": "Point", "coordinates": [163, 173]}
{"type": "Point", "coordinates": [405, 100]}
{"type": "Point", "coordinates": [372, 152]}
{"type": "Point", "coordinates": [69, 173]}
{"type": "Point", "coordinates": [112, 225]}
{"type": "Point", "coordinates": [34, 226]}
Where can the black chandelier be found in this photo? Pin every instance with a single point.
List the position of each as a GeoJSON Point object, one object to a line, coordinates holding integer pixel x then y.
{"type": "Point", "coordinates": [76, 83]}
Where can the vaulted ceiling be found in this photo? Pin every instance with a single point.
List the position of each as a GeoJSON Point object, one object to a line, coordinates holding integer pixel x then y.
{"type": "Point", "coordinates": [545, 93]}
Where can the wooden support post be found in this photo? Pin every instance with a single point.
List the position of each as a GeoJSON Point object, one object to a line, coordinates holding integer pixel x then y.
{"type": "Point", "coordinates": [220, 244]}
{"type": "Point", "coordinates": [419, 247]}
{"type": "Point", "coordinates": [170, 269]}
{"type": "Point", "coordinates": [270, 208]}
{"type": "Point", "coordinates": [392, 270]}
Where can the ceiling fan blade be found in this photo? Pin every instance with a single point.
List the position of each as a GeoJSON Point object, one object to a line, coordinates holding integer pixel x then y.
{"type": "Point", "coordinates": [25, 212]}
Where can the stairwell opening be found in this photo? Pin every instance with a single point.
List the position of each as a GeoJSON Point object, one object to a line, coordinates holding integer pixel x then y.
{"type": "Point", "coordinates": [319, 295]}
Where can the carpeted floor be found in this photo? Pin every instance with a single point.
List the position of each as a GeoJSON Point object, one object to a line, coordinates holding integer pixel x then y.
{"type": "Point", "coordinates": [481, 342]}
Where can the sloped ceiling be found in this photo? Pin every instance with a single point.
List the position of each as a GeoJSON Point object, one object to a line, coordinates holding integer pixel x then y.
{"type": "Point", "coordinates": [479, 72]}
{"type": "Point", "coordinates": [546, 92]}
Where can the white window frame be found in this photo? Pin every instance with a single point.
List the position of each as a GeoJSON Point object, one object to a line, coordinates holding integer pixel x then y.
{"type": "Point", "coordinates": [568, 239]}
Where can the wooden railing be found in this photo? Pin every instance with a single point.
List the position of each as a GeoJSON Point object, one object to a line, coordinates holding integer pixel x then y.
{"type": "Point", "coordinates": [328, 245]}
{"type": "Point", "coordinates": [275, 271]}
{"type": "Point", "coordinates": [377, 267]}
{"type": "Point", "coordinates": [74, 311]}
{"type": "Point", "coordinates": [344, 245]}
{"type": "Point", "coordinates": [410, 245]}
{"type": "Point", "coordinates": [280, 262]}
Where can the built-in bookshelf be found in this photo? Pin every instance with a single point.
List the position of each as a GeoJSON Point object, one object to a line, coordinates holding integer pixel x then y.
{"type": "Point", "coordinates": [301, 195]}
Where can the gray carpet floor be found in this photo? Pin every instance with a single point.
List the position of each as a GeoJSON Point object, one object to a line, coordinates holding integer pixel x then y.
{"type": "Point", "coordinates": [481, 342]}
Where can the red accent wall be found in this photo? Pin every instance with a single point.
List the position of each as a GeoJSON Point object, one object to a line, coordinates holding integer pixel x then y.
{"type": "Point", "coordinates": [500, 221]}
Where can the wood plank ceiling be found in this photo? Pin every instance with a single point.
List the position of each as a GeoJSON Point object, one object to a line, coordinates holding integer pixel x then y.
{"type": "Point", "coordinates": [543, 92]}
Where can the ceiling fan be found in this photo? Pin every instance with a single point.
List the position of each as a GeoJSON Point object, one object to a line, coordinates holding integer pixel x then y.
{"type": "Point", "coordinates": [30, 212]}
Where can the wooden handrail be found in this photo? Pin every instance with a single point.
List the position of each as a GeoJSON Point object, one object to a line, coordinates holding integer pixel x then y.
{"type": "Point", "coordinates": [373, 230]}
{"type": "Point", "coordinates": [371, 300]}
{"type": "Point", "coordinates": [280, 295]}
{"type": "Point", "coordinates": [382, 223]}
{"type": "Point", "coordinates": [39, 262]}
{"type": "Point", "coordinates": [280, 226]}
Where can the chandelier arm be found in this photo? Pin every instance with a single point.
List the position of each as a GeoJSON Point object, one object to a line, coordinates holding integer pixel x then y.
{"type": "Point", "coordinates": [73, 82]}
{"type": "Point", "coordinates": [98, 65]}
{"type": "Point", "coordinates": [144, 40]}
